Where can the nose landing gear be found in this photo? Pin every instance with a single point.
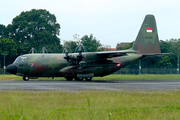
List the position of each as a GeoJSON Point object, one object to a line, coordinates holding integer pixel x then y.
{"type": "Point", "coordinates": [25, 78]}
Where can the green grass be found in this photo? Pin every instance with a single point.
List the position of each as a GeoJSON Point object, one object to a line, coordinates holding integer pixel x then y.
{"type": "Point", "coordinates": [10, 77]}
{"type": "Point", "coordinates": [109, 77]}
{"type": "Point", "coordinates": [91, 105]}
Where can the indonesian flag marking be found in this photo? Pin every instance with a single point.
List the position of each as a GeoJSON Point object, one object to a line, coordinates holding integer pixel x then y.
{"type": "Point", "coordinates": [118, 65]}
{"type": "Point", "coordinates": [149, 29]}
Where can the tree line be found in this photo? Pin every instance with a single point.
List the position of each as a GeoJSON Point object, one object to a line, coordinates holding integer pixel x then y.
{"type": "Point", "coordinates": [38, 28]}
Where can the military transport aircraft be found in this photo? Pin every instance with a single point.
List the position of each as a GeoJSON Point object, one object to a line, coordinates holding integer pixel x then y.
{"type": "Point", "coordinates": [89, 64]}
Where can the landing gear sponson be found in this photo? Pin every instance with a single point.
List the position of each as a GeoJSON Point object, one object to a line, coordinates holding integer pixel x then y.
{"type": "Point", "coordinates": [78, 79]}
{"type": "Point", "coordinates": [26, 78]}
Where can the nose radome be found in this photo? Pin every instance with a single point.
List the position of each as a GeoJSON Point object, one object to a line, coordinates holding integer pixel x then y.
{"type": "Point", "coordinates": [12, 69]}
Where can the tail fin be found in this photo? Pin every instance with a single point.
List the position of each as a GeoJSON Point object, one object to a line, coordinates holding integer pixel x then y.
{"type": "Point", "coordinates": [147, 40]}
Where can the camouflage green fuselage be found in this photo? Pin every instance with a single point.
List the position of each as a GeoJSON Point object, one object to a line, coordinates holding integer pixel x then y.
{"type": "Point", "coordinates": [54, 65]}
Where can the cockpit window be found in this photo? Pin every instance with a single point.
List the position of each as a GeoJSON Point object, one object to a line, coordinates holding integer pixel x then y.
{"type": "Point", "coordinates": [19, 59]}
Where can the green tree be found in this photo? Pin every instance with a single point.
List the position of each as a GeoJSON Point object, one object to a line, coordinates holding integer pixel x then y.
{"type": "Point", "coordinates": [35, 28]}
{"type": "Point", "coordinates": [127, 46]}
{"type": "Point", "coordinates": [90, 43]}
{"type": "Point", "coordinates": [9, 47]}
{"type": "Point", "coordinates": [164, 62]}
{"type": "Point", "coordinates": [2, 30]}
{"type": "Point", "coordinates": [104, 48]}
{"type": "Point", "coordinates": [173, 46]}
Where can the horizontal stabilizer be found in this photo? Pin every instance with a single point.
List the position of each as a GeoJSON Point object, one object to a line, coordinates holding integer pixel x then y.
{"type": "Point", "coordinates": [157, 54]}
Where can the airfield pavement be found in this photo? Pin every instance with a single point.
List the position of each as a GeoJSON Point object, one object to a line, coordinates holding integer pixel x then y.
{"type": "Point", "coordinates": [109, 85]}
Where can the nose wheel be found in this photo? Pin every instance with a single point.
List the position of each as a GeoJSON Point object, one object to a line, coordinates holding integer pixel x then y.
{"type": "Point", "coordinates": [26, 78]}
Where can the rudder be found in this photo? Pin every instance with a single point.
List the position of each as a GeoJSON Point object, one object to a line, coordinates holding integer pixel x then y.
{"type": "Point", "coordinates": [147, 40]}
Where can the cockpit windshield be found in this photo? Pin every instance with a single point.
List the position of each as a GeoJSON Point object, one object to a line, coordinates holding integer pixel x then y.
{"type": "Point", "coordinates": [19, 59]}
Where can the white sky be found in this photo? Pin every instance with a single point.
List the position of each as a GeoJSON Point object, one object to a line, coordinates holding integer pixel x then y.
{"type": "Point", "coordinates": [110, 21]}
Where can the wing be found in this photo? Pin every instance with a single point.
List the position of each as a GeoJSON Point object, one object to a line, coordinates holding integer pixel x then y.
{"type": "Point", "coordinates": [96, 56]}
{"type": "Point", "coordinates": [110, 54]}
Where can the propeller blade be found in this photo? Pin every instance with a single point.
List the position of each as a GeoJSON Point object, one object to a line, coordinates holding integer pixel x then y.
{"type": "Point", "coordinates": [80, 49]}
{"type": "Point", "coordinates": [80, 53]}
{"type": "Point", "coordinates": [67, 56]}
{"type": "Point", "coordinates": [66, 49]}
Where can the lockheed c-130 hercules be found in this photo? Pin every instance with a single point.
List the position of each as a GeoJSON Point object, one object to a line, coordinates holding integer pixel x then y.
{"type": "Point", "coordinates": [89, 64]}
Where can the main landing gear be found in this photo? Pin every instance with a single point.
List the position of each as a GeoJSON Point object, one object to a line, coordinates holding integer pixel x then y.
{"type": "Point", "coordinates": [88, 78]}
{"type": "Point", "coordinates": [69, 78]}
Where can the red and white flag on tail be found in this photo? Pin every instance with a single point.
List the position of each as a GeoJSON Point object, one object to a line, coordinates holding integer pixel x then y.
{"type": "Point", "coordinates": [149, 29]}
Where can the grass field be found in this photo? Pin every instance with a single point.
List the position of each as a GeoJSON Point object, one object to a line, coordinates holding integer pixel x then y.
{"type": "Point", "coordinates": [109, 77]}
{"type": "Point", "coordinates": [92, 105]}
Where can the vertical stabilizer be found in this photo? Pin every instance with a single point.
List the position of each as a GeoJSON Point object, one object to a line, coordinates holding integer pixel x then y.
{"type": "Point", "coordinates": [147, 40]}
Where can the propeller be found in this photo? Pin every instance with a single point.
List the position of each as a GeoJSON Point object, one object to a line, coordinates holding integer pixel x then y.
{"type": "Point", "coordinates": [79, 61]}
{"type": "Point", "coordinates": [44, 50]}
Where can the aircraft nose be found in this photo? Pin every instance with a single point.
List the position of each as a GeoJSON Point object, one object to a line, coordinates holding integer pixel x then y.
{"type": "Point", "coordinates": [12, 69]}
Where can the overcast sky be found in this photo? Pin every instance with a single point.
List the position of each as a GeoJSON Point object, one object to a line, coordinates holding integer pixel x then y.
{"type": "Point", "coordinates": [110, 21]}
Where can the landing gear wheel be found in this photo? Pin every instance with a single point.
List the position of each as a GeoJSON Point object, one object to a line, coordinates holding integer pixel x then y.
{"type": "Point", "coordinates": [88, 79]}
{"type": "Point", "coordinates": [69, 78]}
{"type": "Point", "coordinates": [78, 79]}
{"type": "Point", "coordinates": [26, 78]}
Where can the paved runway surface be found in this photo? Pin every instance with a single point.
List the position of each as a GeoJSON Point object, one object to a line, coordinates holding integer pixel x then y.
{"type": "Point", "coordinates": [162, 85]}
